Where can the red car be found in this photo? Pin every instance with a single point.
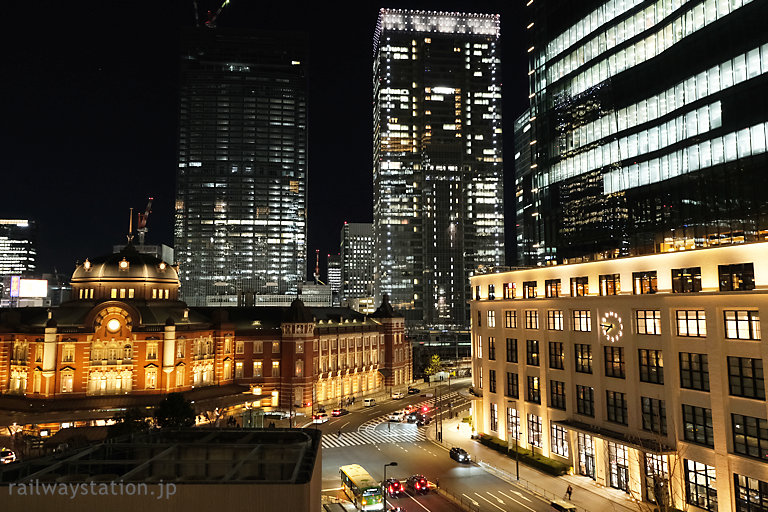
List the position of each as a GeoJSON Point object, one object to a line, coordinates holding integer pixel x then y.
{"type": "Point", "coordinates": [417, 483]}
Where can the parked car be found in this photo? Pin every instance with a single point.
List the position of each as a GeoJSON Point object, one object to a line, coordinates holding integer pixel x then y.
{"type": "Point", "coordinates": [392, 487]}
{"type": "Point", "coordinates": [413, 391]}
{"type": "Point", "coordinates": [320, 417]}
{"type": "Point", "coordinates": [339, 412]}
{"type": "Point", "coordinates": [398, 395]}
{"type": "Point", "coordinates": [396, 416]}
{"type": "Point", "coordinates": [417, 483]}
{"type": "Point", "coordinates": [369, 402]}
{"type": "Point", "coordinates": [459, 454]}
{"type": "Point", "coordinates": [7, 456]}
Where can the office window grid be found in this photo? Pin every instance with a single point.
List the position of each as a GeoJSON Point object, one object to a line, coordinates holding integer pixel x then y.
{"type": "Point", "coordinates": [582, 320]}
{"type": "Point", "coordinates": [556, 355]}
{"type": "Point", "coordinates": [694, 371]}
{"type": "Point", "coordinates": [738, 277]}
{"type": "Point", "coordinates": [531, 319]}
{"type": "Point", "coordinates": [644, 282]}
{"type": "Point", "coordinates": [585, 400]}
{"type": "Point", "coordinates": [509, 290]}
{"type": "Point", "coordinates": [529, 289]}
{"type": "Point", "coordinates": [691, 323]}
{"type": "Point", "coordinates": [532, 352]}
{"type": "Point", "coordinates": [610, 284]}
{"type": "Point", "coordinates": [697, 425]}
{"type": "Point", "coordinates": [559, 440]}
{"type": "Point", "coordinates": [494, 417]}
{"type": "Point", "coordinates": [614, 362]}
{"type": "Point", "coordinates": [513, 423]}
{"type": "Point", "coordinates": [491, 381]}
{"type": "Point", "coordinates": [700, 485]}
{"type": "Point", "coordinates": [510, 319]}
{"type": "Point", "coordinates": [534, 391]}
{"type": "Point", "coordinates": [583, 355]}
{"type": "Point", "coordinates": [750, 436]}
{"type": "Point", "coordinates": [534, 430]}
{"type": "Point", "coordinates": [552, 288]}
{"type": "Point", "coordinates": [579, 286]}
{"type": "Point", "coordinates": [555, 320]}
{"type": "Point", "coordinates": [745, 377]}
{"type": "Point", "coordinates": [491, 318]}
{"type": "Point", "coordinates": [491, 348]}
{"type": "Point", "coordinates": [648, 321]}
{"type": "Point", "coordinates": [742, 324]}
{"type": "Point", "coordinates": [686, 280]}
{"type": "Point", "coordinates": [513, 389]}
{"type": "Point", "coordinates": [651, 364]}
{"type": "Point", "coordinates": [511, 350]}
{"type": "Point", "coordinates": [557, 394]}
{"type": "Point", "coordinates": [654, 415]}
{"type": "Point", "coordinates": [751, 494]}
{"type": "Point", "coordinates": [616, 407]}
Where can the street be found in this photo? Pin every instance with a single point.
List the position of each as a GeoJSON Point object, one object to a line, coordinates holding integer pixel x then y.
{"type": "Point", "coordinates": [368, 439]}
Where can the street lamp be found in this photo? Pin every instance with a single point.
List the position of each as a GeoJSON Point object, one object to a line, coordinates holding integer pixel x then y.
{"type": "Point", "coordinates": [385, 483]}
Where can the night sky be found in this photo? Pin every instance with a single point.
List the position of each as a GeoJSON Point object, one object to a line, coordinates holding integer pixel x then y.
{"type": "Point", "coordinates": [90, 100]}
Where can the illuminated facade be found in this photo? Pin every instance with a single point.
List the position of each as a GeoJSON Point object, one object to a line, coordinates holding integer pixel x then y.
{"type": "Point", "coordinates": [642, 373]}
{"type": "Point", "coordinates": [334, 277]}
{"type": "Point", "coordinates": [18, 250]}
{"type": "Point", "coordinates": [437, 160]}
{"type": "Point", "coordinates": [125, 340]}
{"type": "Point", "coordinates": [356, 253]}
{"type": "Point", "coordinates": [647, 128]}
{"type": "Point", "coordinates": [241, 182]}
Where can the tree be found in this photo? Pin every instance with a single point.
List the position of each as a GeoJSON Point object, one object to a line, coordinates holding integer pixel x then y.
{"type": "Point", "coordinates": [131, 421]}
{"type": "Point", "coordinates": [435, 366]}
{"type": "Point", "coordinates": [174, 412]}
{"type": "Point", "coordinates": [662, 485]}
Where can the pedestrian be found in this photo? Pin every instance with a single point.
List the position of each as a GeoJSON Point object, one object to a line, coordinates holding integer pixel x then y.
{"type": "Point", "coordinates": [458, 425]}
{"type": "Point", "coordinates": [569, 491]}
{"type": "Point", "coordinates": [338, 434]}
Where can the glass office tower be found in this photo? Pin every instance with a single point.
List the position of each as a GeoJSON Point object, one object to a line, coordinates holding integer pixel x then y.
{"type": "Point", "coordinates": [356, 253]}
{"type": "Point", "coordinates": [241, 182]}
{"type": "Point", "coordinates": [647, 128]}
{"type": "Point", "coordinates": [437, 160]}
{"type": "Point", "coordinates": [18, 247]}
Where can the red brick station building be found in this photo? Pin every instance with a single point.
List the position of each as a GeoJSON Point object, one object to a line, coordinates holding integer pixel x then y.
{"type": "Point", "coordinates": [125, 339]}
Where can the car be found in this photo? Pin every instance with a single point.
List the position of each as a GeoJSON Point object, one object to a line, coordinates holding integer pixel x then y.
{"type": "Point", "coordinates": [320, 417]}
{"type": "Point", "coordinates": [398, 395]}
{"type": "Point", "coordinates": [412, 417]}
{"type": "Point", "coordinates": [417, 483]}
{"type": "Point", "coordinates": [392, 487]}
{"type": "Point", "coordinates": [460, 454]}
{"type": "Point", "coordinates": [7, 456]}
{"type": "Point", "coordinates": [369, 402]}
{"type": "Point", "coordinates": [413, 391]}
{"type": "Point", "coordinates": [396, 416]}
{"type": "Point", "coordinates": [424, 420]}
{"type": "Point", "coordinates": [339, 412]}
{"type": "Point", "coordinates": [395, 508]}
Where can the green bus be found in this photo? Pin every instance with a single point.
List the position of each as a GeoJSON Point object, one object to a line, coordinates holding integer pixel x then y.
{"type": "Point", "coordinates": [361, 488]}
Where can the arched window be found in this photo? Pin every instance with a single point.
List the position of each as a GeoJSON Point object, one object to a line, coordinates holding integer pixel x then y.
{"type": "Point", "coordinates": [299, 368]}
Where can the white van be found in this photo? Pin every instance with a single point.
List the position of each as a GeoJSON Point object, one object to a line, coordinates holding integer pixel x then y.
{"type": "Point", "coordinates": [369, 402]}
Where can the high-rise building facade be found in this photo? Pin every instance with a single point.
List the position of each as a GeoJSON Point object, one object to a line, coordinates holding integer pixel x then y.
{"type": "Point", "coordinates": [241, 182]}
{"type": "Point", "coordinates": [334, 277]}
{"type": "Point", "coordinates": [648, 125]}
{"type": "Point", "coordinates": [356, 254]}
{"type": "Point", "coordinates": [18, 247]}
{"type": "Point", "coordinates": [437, 160]}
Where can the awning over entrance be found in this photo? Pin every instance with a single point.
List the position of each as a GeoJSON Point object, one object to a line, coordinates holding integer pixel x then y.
{"type": "Point", "coordinates": [658, 446]}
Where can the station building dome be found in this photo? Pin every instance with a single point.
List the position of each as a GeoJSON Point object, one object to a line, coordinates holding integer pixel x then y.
{"type": "Point", "coordinates": [127, 274]}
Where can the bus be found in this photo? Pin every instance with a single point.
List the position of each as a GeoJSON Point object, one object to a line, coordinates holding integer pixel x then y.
{"type": "Point", "coordinates": [361, 488]}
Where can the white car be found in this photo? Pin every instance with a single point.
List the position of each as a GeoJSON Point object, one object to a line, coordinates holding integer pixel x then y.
{"type": "Point", "coordinates": [396, 416]}
{"type": "Point", "coordinates": [7, 456]}
{"type": "Point", "coordinates": [398, 395]}
{"type": "Point", "coordinates": [320, 417]}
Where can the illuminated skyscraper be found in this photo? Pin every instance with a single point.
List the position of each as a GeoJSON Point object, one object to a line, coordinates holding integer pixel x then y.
{"type": "Point", "coordinates": [356, 253]}
{"type": "Point", "coordinates": [647, 127]}
{"type": "Point", "coordinates": [241, 181]}
{"type": "Point", "coordinates": [334, 277]}
{"type": "Point", "coordinates": [437, 160]}
{"type": "Point", "coordinates": [18, 253]}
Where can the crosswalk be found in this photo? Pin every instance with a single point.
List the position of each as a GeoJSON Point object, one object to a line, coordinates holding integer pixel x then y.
{"type": "Point", "coordinates": [370, 425]}
{"type": "Point", "coordinates": [372, 437]}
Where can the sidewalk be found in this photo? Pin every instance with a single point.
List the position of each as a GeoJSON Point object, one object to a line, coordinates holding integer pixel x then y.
{"type": "Point", "coordinates": [587, 495]}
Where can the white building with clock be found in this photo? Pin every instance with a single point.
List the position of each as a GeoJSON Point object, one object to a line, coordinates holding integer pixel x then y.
{"type": "Point", "coordinates": [642, 373]}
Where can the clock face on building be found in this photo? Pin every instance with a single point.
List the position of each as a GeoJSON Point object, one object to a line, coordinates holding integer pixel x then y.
{"type": "Point", "coordinates": [612, 326]}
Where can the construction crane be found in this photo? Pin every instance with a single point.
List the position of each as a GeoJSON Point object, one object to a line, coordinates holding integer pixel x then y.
{"type": "Point", "coordinates": [141, 224]}
{"type": "Point", "coordinates": [212, 17]}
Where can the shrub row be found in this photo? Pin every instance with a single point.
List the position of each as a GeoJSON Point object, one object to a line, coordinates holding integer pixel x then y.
{"type": "Point", "coordinates": [525, 456]}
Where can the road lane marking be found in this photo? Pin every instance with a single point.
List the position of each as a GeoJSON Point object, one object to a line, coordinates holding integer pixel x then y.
{"type": "Point", "coordinates": [470, 499]}
{"type": "Point", "coordinates": [489, 501]}
{"type": "Point", "coordinates": [520, 503]}
{"type": "Point", "coordinates": [417, 501]}
{"type": "Point", "coordinates": [497, 499]}
{"type": "Point", "coordinates": [344, 425]}
{"type": "Point", "coordinates": [521, 495]}
{"type": "Point", "coordinates": [334, 489]}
